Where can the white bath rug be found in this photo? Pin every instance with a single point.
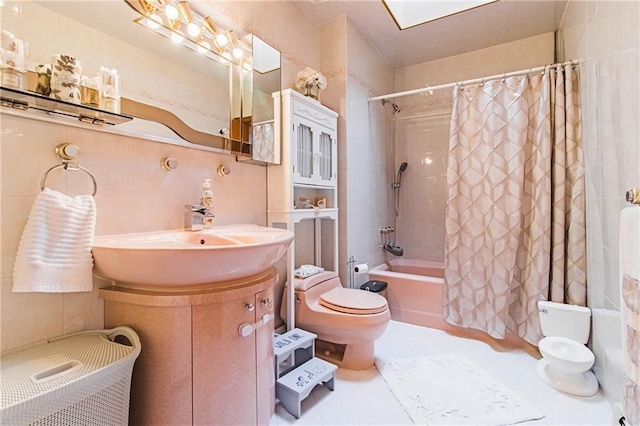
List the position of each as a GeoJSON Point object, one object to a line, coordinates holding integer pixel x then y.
{"type": "Point", "coordinates": [452, 389]}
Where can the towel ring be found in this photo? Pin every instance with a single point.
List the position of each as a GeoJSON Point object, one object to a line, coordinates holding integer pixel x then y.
{"type": "Point", "coordinates": [68, 166]}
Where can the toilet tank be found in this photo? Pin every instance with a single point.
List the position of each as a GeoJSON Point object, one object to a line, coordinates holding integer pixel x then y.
{"type": "Point", "coordinates": [562, 320]}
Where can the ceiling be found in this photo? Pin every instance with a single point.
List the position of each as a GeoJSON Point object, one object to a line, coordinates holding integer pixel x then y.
{"type": "Point", "coordinates": [485, 26]}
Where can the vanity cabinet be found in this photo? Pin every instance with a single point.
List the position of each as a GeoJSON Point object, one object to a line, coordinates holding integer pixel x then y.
{"type": "Point", "coordinates": [308, 171]}
{"type": "Point", "coordinates": [195, 367]}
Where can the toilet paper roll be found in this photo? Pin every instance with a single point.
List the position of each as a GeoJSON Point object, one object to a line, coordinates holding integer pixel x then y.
{"type": "Point", "coordinates": [361, 274]}
{"type": "Point", "coordinates": [361, 268]}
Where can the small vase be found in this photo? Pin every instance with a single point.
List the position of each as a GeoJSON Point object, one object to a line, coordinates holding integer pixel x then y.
{"type": "Point", "coordinates": [311, 91]}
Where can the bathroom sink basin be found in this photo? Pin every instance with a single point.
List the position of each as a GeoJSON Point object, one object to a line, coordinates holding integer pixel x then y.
{"type": "Point", "coordinates": [178, 259]}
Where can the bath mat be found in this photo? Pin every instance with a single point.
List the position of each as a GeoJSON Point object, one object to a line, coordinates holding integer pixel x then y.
{"type": "Point", "coordinates": [452, 389]}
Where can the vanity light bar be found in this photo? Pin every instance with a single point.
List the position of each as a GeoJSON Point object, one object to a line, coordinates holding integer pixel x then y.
{"type": "Point", "coordinates": [183, 26]}
{"type": "Point", "coordinates": [186, 41]}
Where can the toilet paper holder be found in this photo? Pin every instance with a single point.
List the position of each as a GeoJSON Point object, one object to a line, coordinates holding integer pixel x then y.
{"type": "Point", "coordinates": [357, 272]}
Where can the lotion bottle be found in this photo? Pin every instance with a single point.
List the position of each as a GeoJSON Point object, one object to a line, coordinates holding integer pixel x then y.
{"type": "Point", "coordinates": [206, 201]}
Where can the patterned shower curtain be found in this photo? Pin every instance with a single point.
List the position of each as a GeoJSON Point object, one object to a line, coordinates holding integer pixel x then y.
{"type": "Point", "coordinates": [515, 222]}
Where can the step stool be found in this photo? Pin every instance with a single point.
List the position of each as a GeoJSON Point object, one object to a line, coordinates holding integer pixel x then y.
{"type": "Point", "coordinates": [296, 342]}
{"type": "Point", "coordinates": [295, 380]}
{"type": "Point", "coordinates": [298, 383]}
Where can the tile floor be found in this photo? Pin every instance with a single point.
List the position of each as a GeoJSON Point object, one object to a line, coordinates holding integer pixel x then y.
{"type": "Point", "coordinates": [363, 398]}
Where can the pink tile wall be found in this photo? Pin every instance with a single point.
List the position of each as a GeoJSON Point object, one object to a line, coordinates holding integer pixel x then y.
{"type": "Point", "coordinates": [355, 72]}
{"type": "Point", "coordinates": [134, 194]}
{"type": "Point", "coordinates": [422, 141]}
{"type": "Point", "coordinates": [605, 36]}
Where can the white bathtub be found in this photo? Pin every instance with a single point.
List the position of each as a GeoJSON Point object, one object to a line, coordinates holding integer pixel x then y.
{"type": "Point", "coordinates": [415, 291]}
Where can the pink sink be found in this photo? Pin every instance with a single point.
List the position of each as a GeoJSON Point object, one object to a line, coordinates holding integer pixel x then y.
{"type": "Point", "coordinates": [169, 260]}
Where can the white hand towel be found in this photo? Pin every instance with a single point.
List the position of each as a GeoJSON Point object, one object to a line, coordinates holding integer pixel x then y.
{"type": "Point", "coordinates": [305, 271]}
{"type": "Point", "coordinates": [54, 255]}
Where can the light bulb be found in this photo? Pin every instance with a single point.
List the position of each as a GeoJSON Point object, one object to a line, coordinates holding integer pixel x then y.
{"type": "Point", "coordinates": [171, 11]}
{"type": "Point", "coordinates": [237, 52]}
{"type": "Point", "coordinates": [153, 21]}
{"type": "Point", "coordinates": [204, 47]}
{"type": "Point", "coordinates": [221, 39]}
{"type": "Point", "coordinates": [176, 38]}
{"type": "Point", "coordinates": [193, 30]}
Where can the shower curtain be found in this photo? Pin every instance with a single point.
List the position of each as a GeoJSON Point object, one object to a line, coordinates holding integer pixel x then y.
{"type": "Point", "coordinates": [515, 221]}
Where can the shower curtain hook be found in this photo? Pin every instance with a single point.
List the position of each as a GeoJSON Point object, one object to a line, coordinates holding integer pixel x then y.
{"type": "Point", "coordinates": [482, 82]}
{"type": "Point", "coordinates": [504, 77]}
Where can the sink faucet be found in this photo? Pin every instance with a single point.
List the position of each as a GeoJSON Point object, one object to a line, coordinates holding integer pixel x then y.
{"type": "Point", "coordinates": [194, 217]}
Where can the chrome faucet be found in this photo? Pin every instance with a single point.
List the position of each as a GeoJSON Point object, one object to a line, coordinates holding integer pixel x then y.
{"type": "Point", "coordinates": [194, 217]}
{"type": "Point", "coordinates": [393, 249]}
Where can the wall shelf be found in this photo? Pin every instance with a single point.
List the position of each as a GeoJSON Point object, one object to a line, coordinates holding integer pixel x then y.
{"type": "Point", "coordinates": [21, 100]}
{"type": "Point", "coordinates": [296, 215]}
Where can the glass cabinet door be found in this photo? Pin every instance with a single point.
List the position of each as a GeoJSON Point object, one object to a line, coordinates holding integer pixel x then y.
{"type": "Point", "coordinates": [303, 153]}
{"type": "Point", "coordinates": [325, 169]}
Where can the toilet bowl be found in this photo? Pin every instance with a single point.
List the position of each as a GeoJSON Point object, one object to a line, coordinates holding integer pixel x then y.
{"type": "Point", "coordinates": [348, 320]}
{"type": "Point", "coordinates": [566, 361]}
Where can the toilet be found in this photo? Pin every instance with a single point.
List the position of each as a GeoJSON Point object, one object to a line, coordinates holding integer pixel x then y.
{"type": "Point", "coordinates": [566, 361]}
{"type": "Point", "coordinates": [348, 321]}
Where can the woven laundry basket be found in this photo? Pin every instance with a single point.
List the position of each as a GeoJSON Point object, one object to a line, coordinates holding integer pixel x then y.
{"type": "Point", "coordinates": [79, 379]}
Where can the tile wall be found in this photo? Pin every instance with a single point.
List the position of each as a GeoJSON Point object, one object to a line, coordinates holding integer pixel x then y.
{"type": "Point", "coordinates": [421, 133]}
{"type": "Point", "coordinates": [605, 36]}
{"type": "Point", "coordinates": [356, 71]}
{"type": "Point", "coordinates": [134, 194]}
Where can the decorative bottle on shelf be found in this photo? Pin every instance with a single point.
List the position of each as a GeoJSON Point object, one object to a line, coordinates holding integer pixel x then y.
{"type": "Point", "coordinates": [12, 61]}
{"type": "Point", "coordinates": [206, 201]}
{"type": "Point", "coordinates": [109, 90]}
{"type": "Point", "coordinates": [65, 78]}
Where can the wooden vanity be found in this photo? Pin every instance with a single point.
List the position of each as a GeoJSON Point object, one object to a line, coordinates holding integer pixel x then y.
{"type": "Point", "coordinates": [195, 367]}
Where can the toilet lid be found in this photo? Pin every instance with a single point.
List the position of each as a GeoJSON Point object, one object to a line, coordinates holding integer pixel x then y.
{"type": "Point", "coordinates": [353, 301]}
{"type": "Point", "coordinates": [565, 349]}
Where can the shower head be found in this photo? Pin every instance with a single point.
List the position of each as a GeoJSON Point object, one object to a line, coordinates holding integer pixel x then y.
{"type": "Point", "coordinates": [395, 106]}
{"type": "Point", "coordinates": [398, 182]}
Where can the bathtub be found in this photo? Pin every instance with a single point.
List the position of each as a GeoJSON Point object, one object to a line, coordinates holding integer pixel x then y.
{"type": "Point", "coordinates": [415, 291]}
{"type": "Point", "coordinates": [415, 296]}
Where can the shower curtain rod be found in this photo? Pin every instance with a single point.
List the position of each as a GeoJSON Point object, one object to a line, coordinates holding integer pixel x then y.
{"type": "Point", "coordinates": [411, 117]}
{"type": "Point", "coordinates": [467, 82]}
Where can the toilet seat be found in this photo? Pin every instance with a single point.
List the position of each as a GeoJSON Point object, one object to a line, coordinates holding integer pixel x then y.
{"type": "Point", "coordinates": [353, 301]}
{"type": "Point", "coordinates": [566, 350]}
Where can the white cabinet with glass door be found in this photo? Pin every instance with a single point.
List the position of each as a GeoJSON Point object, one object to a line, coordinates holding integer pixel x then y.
{"type": "Point", "coordinates": [314, 157]}
{"type": "Point", "coordinates": [307, 174]}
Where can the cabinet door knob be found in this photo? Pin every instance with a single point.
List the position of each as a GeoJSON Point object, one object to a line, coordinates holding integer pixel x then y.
{"type": "Point", "coordinates": [266, 302]}
{"type": "Point", "coordinates": [250, 307]}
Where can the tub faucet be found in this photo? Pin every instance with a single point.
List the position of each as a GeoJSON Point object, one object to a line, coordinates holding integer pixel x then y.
{"type": "Point", "coordinates": [194, 217]}
{"type": "Point", "coordinates": [394, 249]}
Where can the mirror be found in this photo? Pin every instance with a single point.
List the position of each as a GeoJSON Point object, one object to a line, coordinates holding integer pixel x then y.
{"type": "Point", "coordinates": [156, 75]}
{"type": "Point", "coordinates": [253, 112]}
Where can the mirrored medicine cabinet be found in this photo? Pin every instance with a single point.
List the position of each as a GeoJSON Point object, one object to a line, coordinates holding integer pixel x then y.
{"type": "Point", "coordinates": [173, 93]}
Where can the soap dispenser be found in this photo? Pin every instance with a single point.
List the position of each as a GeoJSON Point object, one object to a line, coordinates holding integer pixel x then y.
{"type": "Point", "coordinates": [206, 201]}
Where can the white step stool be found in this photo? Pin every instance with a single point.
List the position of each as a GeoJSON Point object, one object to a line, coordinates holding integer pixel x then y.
{"type": "Point", "coordinates": [295, 380]}
{"type": "Point", "coordinates": [297, 384]}
{"type": "Point", "coordinates": [296, 342]}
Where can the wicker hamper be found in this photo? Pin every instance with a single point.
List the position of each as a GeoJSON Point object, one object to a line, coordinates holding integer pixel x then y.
{"type": "Point", "coordinates": [79, 379]}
